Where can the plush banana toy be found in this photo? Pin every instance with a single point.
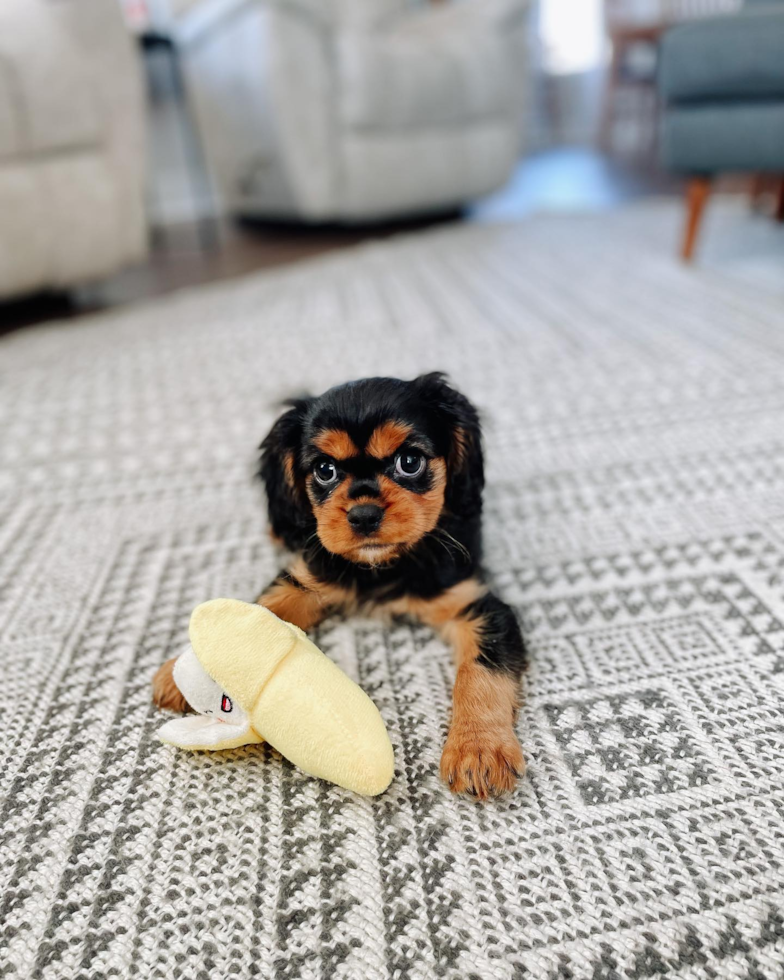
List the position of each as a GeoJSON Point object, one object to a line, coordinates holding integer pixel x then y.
{"type": "Point", "coordinates": [254, 678]}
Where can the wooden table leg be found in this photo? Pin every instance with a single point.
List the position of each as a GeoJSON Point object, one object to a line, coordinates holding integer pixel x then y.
{"type": "Point", "coordinates": [697, 193]}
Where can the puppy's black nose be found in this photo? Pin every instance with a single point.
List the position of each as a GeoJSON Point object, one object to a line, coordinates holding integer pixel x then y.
{"type": "Point", "coordinates": [365, 518]}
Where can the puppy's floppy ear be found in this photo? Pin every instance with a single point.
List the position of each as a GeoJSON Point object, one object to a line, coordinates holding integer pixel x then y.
{"type": "Point", "coordinates": [464, 461]}
{"type": "Point", "coordinates": [287, 501]}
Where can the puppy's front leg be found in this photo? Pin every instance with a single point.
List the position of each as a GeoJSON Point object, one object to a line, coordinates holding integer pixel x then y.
{"type": "Point", "coordinates": [299, 598]}
{"type": "Point", "coordinates": [294, 596]}
{"type": "Point", "coordinates": [482, 756]}
{"type": "Point", "coordinates": [165, 693]}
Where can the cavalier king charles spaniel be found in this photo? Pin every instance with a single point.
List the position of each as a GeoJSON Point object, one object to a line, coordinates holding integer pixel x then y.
{"type": "Point", "coordinates": [376, 489]}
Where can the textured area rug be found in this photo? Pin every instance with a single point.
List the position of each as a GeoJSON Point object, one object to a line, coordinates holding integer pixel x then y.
{"type": "Point", "coordinates": [634, 415]}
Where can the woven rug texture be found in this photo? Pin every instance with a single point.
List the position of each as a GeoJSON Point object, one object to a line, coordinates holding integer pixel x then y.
{"type": "Point", "coordinates": [634, 421]}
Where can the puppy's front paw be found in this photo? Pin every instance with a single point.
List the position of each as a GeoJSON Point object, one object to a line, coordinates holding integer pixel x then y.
{"type": "Point", "coordinates": [482, 763]}
{"type": "Point", "coordinates": [165, 693]}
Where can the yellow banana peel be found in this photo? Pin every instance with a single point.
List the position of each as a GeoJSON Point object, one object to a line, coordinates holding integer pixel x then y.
{"type": "Point", "coordinates": [253, 677]}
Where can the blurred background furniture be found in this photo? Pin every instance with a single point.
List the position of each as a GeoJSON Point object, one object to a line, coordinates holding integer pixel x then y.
{"type": "Point", "coordinates": [722, 82]}
{"type": "Point", "coordinates": [355, 110]}
{"type": "Point", "coordinates": [71, 144]}
{"type": "Point", "coordinates": [634, 30]}
{"type": "Point", "coordinates": [158, 45]}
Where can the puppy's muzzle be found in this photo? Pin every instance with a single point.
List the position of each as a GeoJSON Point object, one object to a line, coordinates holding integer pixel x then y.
{"type": "Point", "coordinates": [365, 518]}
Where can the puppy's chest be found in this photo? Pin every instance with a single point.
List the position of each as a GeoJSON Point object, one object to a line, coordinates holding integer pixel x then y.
{"type": "Point", "coordinates": [392, 588]}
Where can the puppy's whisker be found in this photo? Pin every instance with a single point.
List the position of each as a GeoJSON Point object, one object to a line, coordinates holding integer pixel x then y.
{"type": "Point", "coordinates": [444, 544]}
{"type": "Point", "coordinates": [440, 532]}
{"type": "Point", "coordinates": [311, 544]}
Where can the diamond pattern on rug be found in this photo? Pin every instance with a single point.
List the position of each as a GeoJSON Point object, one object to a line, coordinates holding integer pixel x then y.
{"type": "Point", "coordinates": [627, 746]}
{"type": "Point", "coordinates": [635, 520]}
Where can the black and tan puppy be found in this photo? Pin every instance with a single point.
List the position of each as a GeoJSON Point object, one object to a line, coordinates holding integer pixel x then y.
{"type": "Point", "coordinates": [376, 487]}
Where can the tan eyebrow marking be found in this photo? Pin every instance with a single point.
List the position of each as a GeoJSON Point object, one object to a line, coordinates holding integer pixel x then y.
{"type": "Point", "coordinates": [387, 437]}
{"type": "Point", "coordinates": [336, 443]}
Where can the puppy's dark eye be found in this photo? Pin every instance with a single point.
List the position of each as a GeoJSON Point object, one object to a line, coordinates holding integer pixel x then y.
{"type": "Point", "coordinates": [409, 464]}
{"type": "Point", "coordinates": [325, 472]}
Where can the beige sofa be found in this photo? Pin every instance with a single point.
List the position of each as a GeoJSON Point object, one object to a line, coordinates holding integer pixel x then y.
{"type": "Point", "coordinates": [354, 110]}
{"type": "Point", "coordinates": [72, 154]}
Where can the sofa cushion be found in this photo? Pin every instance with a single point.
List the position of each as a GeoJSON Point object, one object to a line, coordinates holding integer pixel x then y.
{"type": "Point", "coordinates": [66, 218]}
{"type": "Point", "coordinates": [452, 165]}
{"type": "Point", "coordinates": [732, 57]}
{"type": "Point", "coordinates": [47, 102]}
{"type": "Point", "coordinates": [706, 138]}
{"type": "Point", "coordinates": [442, 66]}
{"type": "Point", "coordinates": [11, 140]}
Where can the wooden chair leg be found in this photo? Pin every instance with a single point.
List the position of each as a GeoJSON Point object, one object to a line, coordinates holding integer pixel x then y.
{"type": "Point", "coordinates": [697, 193]}
{"type": "Point", "coordinates": [779, 212]}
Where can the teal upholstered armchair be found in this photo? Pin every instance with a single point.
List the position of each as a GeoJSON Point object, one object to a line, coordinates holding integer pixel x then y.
{"type": "Point", "coordinates": [722, 86]}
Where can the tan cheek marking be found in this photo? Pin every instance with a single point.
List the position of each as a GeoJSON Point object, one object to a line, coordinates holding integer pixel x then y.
{"type": "Point", "coordinates": [410, 516]}
{"type": "Point", "coordinates": [336, 443]}
{"type": "Point", "coordinates": [388, 437]}
{"type": "Point", "coordinates": [333, 528]}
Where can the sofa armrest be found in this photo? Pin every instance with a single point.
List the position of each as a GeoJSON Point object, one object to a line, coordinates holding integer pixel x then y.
{"type": "Point", "coordinates": [113, 61]}
{"type": "Point", "coordinates": [194, 18]}
{"type": "Point", "coordinates": [738, 56]}
{"type": "Point", "coordinates": [71, 69]}
{"type": "Point", "coordinates": [481, 15]}
{"type": "Point", "coordinates": [260, 75]}
{"type": "Point", "coordinates": [198, 19]}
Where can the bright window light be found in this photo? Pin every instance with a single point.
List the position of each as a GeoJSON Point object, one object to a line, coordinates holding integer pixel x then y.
{"type": "Point", "coordinates": [572, 35]}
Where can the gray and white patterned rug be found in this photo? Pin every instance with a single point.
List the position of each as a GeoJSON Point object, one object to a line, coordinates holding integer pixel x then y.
{"type": "Point", "coordinates": [635, 518]}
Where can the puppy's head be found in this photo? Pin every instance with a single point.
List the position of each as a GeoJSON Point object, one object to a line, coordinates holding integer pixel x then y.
{"type": "Point", "coordinates": [374, 463]}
